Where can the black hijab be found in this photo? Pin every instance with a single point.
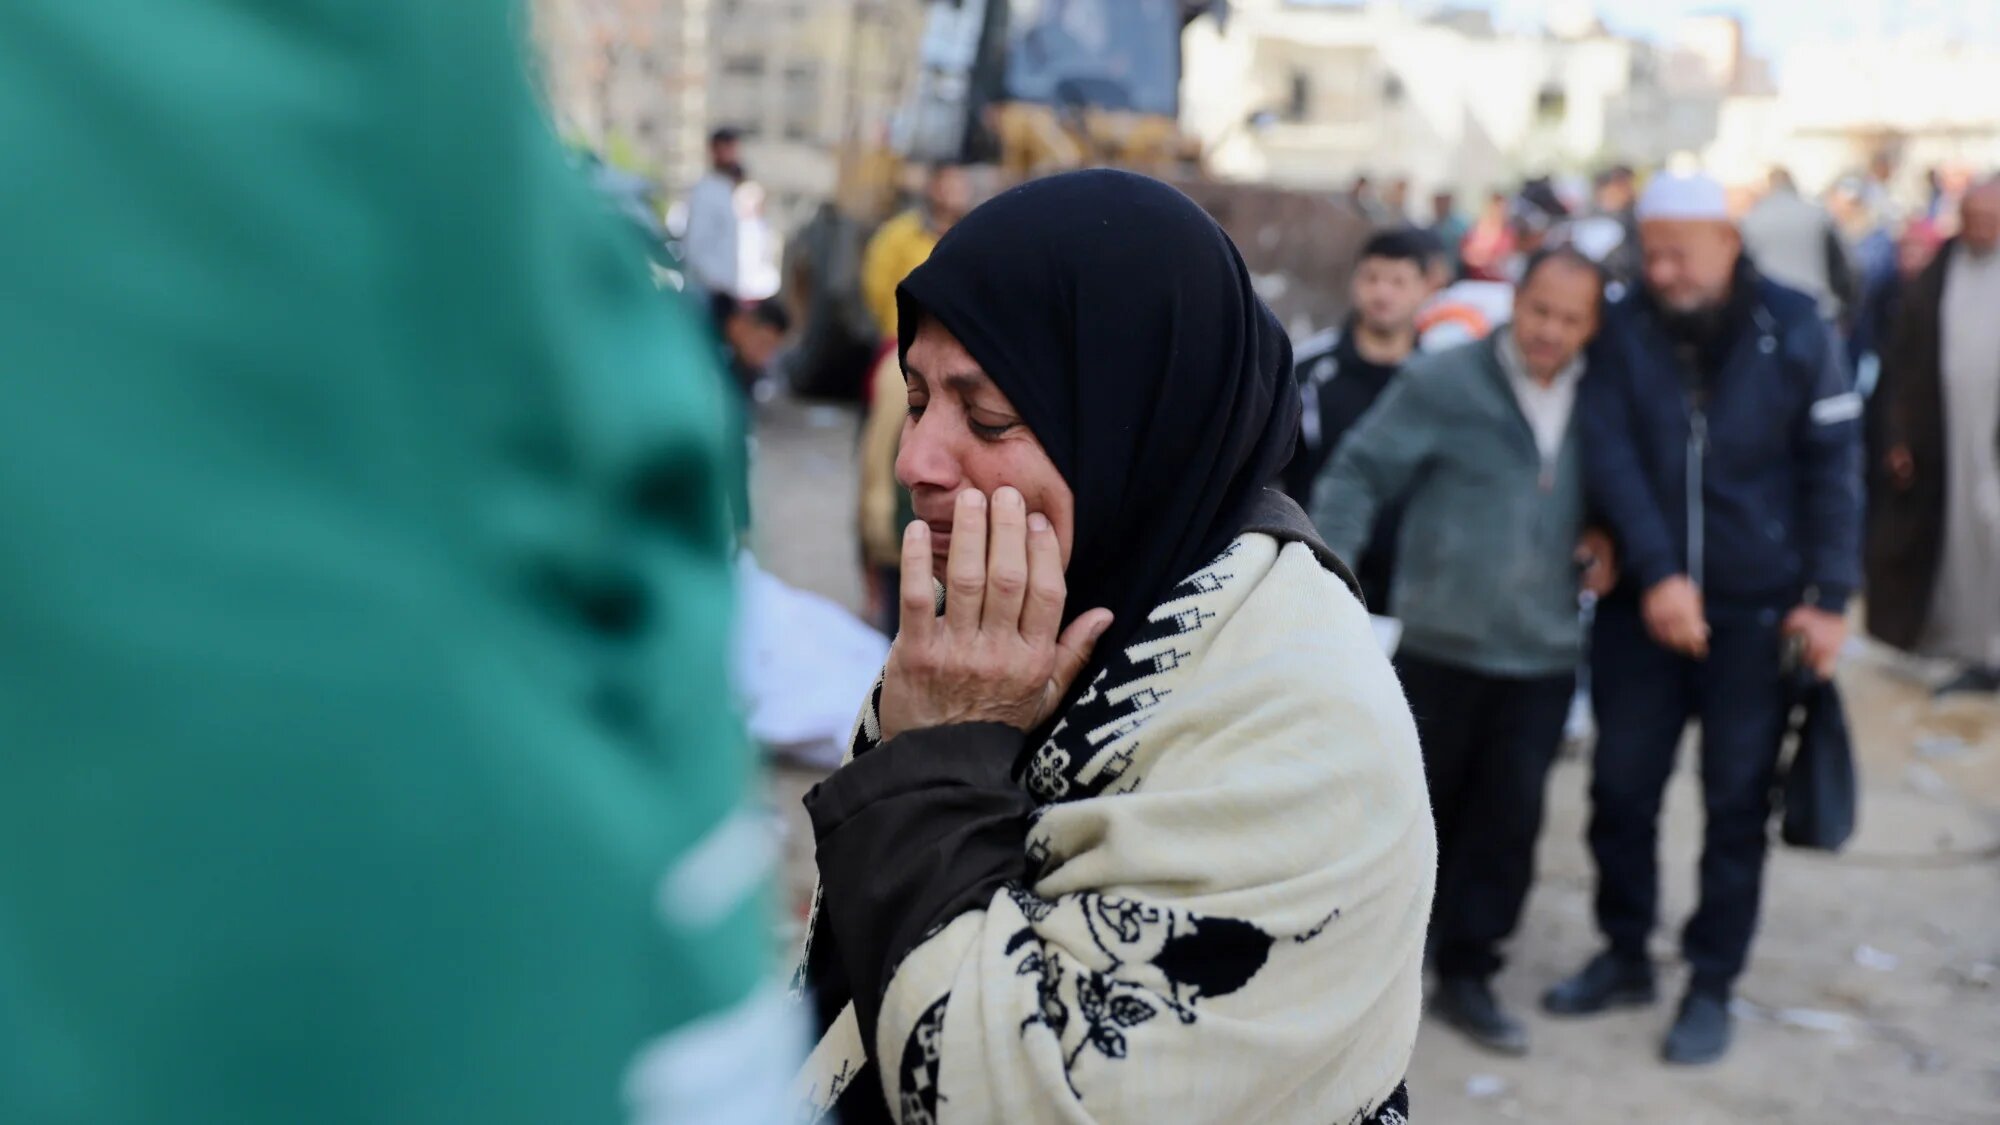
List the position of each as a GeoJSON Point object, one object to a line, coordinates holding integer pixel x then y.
{"type": "Point", "coordinates": [1120, 321]}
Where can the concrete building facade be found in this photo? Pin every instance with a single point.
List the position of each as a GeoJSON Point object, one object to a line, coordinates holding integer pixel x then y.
{"type": "Point", "coordinates": [645, 81]}
{"type": "Point", "coordinates": [629, 78]}
{"type": "Point", "coordinates": [803, 79]}
{"type": "Point", "coordinates": [1924, 100]}
{"type": "Point", "coordinates": [1444, 99]}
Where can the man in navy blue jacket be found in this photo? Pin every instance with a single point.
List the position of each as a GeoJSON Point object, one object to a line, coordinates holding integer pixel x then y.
{"type": "Point", "coordinates": [1721, 440]}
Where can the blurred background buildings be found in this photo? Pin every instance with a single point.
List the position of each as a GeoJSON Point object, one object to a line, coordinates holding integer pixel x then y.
{"type": "Point", "coordinates": [643, 81]}
{"type": "Point", "coordinates": [1310, 94]}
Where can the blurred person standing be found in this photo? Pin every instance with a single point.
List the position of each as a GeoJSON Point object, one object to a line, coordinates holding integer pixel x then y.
{"type": "Point", "coordinates": [904, 242]}
{"type": "Point", "coordinates": [757, 245]}
{"type": "Point", "coordinates": [366, 598]}
{"type": "Point", "coordinates": [1934, 544]}
{"type": "Point", "coordinates": [1875, 323]}
{"type": "Point", "coordinates": [1396, 201]}
{"type": "Point", "coordinates": [1449, 228]}
{"type": "Point", "coordinates": [714, 243]}
{"type": "Point", "coordinates": [1870, 335]}
{"type": "Point", "coordinates": [1615, 193]}
{"type": "Point", "coordinates": [1479, 444]}
{"type": "Point", "coordinates": [1342, 371]}
{"type": "Point", "coordinates": [1869, 236]}
{"type": "Point", "coordinates": [1540, 217]}
{"type": "Point", "coordinates": [901, 245]}
{"type": "Point", "coordinates": [1721, 438]}
{"type": "Point", "coordinates": [1471, 307]}
{"type": "Point", "coordinates": [1794, 242]}
{"type": "Point", "coordinates": [1489, 244]}
{"type": "Point", "coordinates": [1877, 191]}
{"type": "Point", "coordinates": [1954, 180]}
{"type": "Point", "coordinates": [1362, 196]}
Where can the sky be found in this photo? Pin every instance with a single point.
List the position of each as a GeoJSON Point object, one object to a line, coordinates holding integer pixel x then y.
{"type": "Point", "coordinates": [1773, 25]}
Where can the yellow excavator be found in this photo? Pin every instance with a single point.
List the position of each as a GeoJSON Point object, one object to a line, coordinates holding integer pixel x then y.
{"type": "Point", "coordinates": [1024, 88]}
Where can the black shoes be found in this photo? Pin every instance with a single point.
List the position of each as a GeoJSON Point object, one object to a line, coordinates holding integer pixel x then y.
{"type": "Point", "coordinates": [1702, 1032]}
{"type": "Point", "coordinates": [1467, 1003]}
{"type": "Point", "coordinates": [1609, 981]}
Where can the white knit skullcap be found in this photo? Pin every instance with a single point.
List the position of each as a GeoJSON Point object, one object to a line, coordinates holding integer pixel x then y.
{"type": "Point", "coordinates": [1674, 197]}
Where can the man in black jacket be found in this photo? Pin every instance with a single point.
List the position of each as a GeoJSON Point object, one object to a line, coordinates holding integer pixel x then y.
{"type": "Point", "coordinates": [1721, 440]}
{"type": "Point", "coordinates": [1341, 372]}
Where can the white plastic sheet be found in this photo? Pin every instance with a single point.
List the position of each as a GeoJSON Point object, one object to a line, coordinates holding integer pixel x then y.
{"type": "Point", "coordinates": [801, 665]}
{"type": "Point", "coordinates": [1388, 632]}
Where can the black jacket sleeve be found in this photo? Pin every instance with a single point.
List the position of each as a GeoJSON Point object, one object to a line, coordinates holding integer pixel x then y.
{"type": "Point", "coordinates": [1840, 276]}
{"type": "Point", "coordinates": [1617, 485]}
{"type": "Point", "coordinates": [923, 828]}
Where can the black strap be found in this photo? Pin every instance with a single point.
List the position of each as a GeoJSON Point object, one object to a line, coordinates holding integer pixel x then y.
{"type": "Point", "coordinates": [1279, 516]}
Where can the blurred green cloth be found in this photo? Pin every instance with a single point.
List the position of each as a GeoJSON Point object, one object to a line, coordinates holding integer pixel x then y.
{"type": "Point", "coordinates": [363, 586]}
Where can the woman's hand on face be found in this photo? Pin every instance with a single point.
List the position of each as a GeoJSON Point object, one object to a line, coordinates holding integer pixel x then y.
{"type": "Point", "coordinates": [999, 654]}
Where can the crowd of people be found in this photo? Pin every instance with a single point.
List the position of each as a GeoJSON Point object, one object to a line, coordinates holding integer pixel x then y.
{"type": "Point", "coordinates": [1618, 448]}
{"type": "Point", "coordinates": [1690, 422]}
{"type": "Point", "coordinates": [369, 750]}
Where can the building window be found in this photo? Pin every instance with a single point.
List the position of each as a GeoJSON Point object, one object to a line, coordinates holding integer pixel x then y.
{"type": "Point", "coordinates": [744, 66]}
{"type": "Point", "coordinates": [1392, 90]}
{"type": "Point", "coordinates": [1299, 103]}
{"type": "Point", "coordinates": [1350, 87]}
{"type": "Point", "coordinates": [1551, 105]}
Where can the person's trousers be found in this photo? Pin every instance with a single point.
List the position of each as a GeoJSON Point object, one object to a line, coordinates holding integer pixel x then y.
{"type": "Point", "coordinates": [1645, 696]}
{"type": "Point", "coordinates": [1488, 742]}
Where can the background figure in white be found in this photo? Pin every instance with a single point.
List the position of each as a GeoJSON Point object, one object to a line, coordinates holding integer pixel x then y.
{"type": "Point", "coordinates": [1965, 609]}
{"type": "Point", "coordinates": [756, 245]}
{"type": "Point", "coordinates": [713, 246]}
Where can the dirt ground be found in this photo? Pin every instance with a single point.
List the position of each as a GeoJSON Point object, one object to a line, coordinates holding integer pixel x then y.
{"type": "Point", "coordinates": [1874, 992]}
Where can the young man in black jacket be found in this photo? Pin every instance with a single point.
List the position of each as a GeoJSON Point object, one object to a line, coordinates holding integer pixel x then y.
{"type": "Point", "coordinates": [1341, 372]}
{"type": "Point", "coordinates": [1721, 440]}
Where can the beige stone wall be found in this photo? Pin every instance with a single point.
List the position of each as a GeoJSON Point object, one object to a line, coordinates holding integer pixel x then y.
{"type": "Point", "coordinates": [630, 78]}
{"type": "Point", "coordinates": [801, 78]}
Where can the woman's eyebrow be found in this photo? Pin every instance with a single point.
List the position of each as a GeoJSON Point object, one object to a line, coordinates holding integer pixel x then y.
{"type": "Point", "coordinates": [967, 382]}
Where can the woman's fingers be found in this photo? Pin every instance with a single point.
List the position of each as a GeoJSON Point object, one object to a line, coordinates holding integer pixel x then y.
{"type": "Point", "coordinates": [919, 596]}
{"type": "Point", "coordinates": [1041, 618]}
{"type": "Point", "coordinates": [1006, 562]}
{"type": "Point", "coordinates": [965, 565]}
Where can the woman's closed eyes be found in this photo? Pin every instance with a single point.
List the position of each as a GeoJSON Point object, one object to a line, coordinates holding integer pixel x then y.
{"type": "Point", "coordinates": [989, 428]}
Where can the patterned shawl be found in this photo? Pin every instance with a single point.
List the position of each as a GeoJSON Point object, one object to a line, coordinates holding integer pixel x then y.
{"type": "Point", "coordinates": [1234, 859]}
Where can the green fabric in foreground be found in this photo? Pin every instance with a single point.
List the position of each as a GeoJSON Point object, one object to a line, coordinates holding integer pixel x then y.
{"type": "Point", "coordinates": [363, 586]}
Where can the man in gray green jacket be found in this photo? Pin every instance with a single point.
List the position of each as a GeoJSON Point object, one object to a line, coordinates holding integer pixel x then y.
{"type": "Point", "coordinates": [1478, 444]}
